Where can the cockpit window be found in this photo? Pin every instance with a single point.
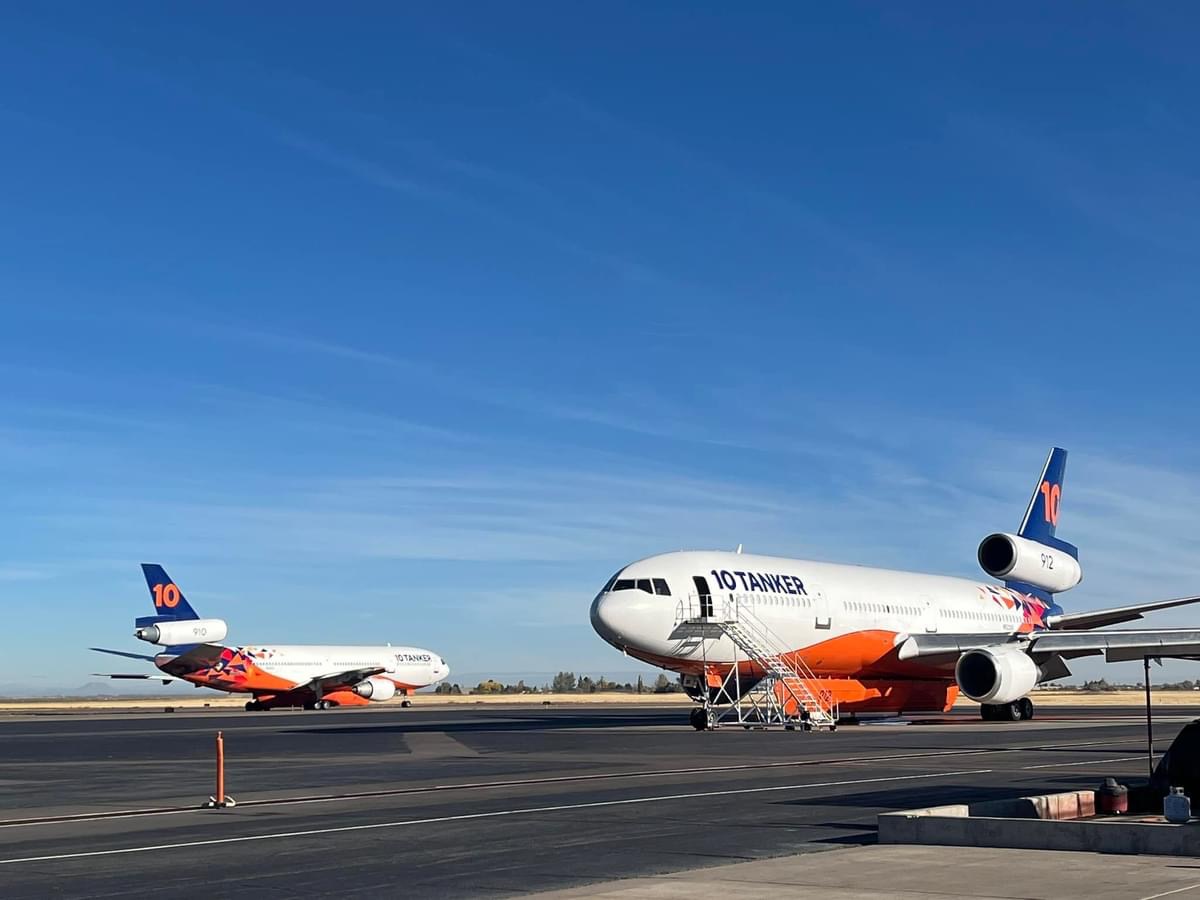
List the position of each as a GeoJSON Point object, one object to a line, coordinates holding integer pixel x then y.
{"type": "Point", "coordinates": [649, 585]}
{"type": "Point", "coordinates": [608, 585]}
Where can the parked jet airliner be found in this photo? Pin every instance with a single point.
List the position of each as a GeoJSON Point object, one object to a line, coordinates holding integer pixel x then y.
{"type": "Point", "coordinates": [883, 641]}
{"type": "Point", "coordinates": [315, 677]}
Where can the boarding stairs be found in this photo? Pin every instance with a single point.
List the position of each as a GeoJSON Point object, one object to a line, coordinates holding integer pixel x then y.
{"type": "Point", "coordinates": [788, 694]}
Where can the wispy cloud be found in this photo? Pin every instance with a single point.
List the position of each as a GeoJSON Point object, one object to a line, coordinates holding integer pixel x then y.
{"type": "Point", "coordinates": [1150, 206]}
{"type": "Point", "coordinates": [382, 176]}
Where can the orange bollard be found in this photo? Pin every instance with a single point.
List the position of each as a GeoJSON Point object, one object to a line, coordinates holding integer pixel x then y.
{"type": "Point", "coordinates": [220, 798]}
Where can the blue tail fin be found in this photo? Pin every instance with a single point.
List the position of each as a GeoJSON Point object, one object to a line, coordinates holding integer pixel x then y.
{"type": "Point", "coordinates": [1041, 518]}
{"type": "Point", "coordinates": [1041, 522]}
{"type": "Point", "coordinates": [168, 599]}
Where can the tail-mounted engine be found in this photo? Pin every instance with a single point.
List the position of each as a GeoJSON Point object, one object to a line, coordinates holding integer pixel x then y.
{"type": "Point", "coordinates": [176, 632]}
{"type": "Point", "coordinates": [1013, 558]}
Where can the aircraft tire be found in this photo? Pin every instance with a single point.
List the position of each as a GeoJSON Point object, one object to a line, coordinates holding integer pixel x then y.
{"type": "Point", "coordinates": [987, 712]}
{"type": "Point", "coordinates": [1026, 707]}
{"type": "Point", "coordinates": [699, 719]}
{"type": "Point", "coordinates": [1015, 711]}
{"type": "Point", "coordinates": [251, 706]}
{"type": "Point", "coordinates": [406, 703]}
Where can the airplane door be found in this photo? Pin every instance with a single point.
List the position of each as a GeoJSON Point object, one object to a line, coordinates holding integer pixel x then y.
{"type": "Point", "coordinates": [822, 616]}
{"type": "Point", "coordinates": [704, 596]}
{"type": "Point", "coordinates": [929, 615]}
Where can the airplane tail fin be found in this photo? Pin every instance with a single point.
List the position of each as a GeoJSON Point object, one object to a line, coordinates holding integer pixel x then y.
{"type": "Point", "coordinates": [1041, 522]}
{"type": "Point", "coordinates": [168, 599]}
{"type": "Point", "coordinates": [1041, 516]}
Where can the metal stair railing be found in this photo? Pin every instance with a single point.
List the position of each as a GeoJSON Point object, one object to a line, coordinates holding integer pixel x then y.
{"type": "Point", "coordinates": [787, 666]}
{"type": "Point", "coordinates": [731, 615]}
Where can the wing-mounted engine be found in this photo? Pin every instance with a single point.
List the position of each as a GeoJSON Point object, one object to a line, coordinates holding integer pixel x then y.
{"type": "Point", "coordinates": [1010, 557]}
{"type": "Point", "coordinates": [376, 689]}
{"type": "Point", "coordinates": [996, 674]}
{"type": "Point", "coordinates": [176, 632]}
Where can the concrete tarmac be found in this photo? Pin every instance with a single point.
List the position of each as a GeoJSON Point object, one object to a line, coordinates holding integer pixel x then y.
{"type": "Point", "coordinates": [491, 801]}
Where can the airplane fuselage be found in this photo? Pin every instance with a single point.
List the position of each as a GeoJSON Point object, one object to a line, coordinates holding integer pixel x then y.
{"type": "Point", "coordinates": [274, 670]}
{"type": "Point", "coordinates": [845, 623]}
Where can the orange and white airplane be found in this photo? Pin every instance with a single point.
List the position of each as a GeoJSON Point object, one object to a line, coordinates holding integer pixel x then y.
{"type": "Point", "coordinates": [274, 675]}
{"type": "Point", "coordinates": [875, 640]}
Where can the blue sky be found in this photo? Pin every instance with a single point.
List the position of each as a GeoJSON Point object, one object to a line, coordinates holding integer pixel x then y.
{"type": "Point", "coordinates": [416, 324]}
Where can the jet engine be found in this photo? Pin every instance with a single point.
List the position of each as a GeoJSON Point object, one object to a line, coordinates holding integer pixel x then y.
{"type": "Point", "coordinates": [1013, 558]}
{"type": "Point", "coordinates": [996, 674]}
{"type": "Point", "coordinates": [174, 632]}
{"type": "Point", "coordinates": [377, 689]}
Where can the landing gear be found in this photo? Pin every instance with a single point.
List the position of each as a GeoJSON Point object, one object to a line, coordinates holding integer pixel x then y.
{"type": "Point", "coordinates": [254, 706]}
{"type": "Point", "coordinates": [699, 719]}
{"type": "Point", "coordinates": [1016, 711]}
{"type": "Point", "coordinates": [406, 703]}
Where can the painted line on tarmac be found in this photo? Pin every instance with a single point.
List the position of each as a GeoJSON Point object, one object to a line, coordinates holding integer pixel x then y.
{"type": "Point", "coordinates": [495, 814]}
{"type": "Point", "coordinates": [528, 782]}
{"type": "Point", "coordinates": [1190, 887]}
{"type": "Point", "coordinates": [1089, 762]}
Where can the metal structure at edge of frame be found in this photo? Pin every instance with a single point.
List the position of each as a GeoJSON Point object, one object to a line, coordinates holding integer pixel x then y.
{"type": "Point", "coordinates": [787, 695]}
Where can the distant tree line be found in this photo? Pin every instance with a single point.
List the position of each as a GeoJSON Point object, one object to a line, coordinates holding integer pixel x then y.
{"type": "Point", "coordinates": [1101, 686]}
{"type": "Point", "coordinates": [566, 683]}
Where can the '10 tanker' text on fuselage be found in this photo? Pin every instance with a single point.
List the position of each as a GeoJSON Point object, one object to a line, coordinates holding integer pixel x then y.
{"type": "Point", "coordinates": [760, 583]}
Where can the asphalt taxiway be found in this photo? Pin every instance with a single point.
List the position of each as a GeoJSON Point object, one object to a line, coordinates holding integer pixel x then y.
{"type": "Point", "coordinates": [491, 801]}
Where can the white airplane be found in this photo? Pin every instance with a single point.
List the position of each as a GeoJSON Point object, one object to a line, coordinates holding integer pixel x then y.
{"type": "Point", "coordinates": [311, 676]}
{"type": "Point", "coordinates": [884, 641]}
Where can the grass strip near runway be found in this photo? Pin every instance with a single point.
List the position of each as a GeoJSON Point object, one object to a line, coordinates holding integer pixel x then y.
{"type": "Point", "coordinates": [1044, 698]}
{"type": "Point", "coordinates": [237, 701]}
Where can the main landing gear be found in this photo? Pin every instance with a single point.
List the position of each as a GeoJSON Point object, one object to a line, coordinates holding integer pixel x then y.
{"type": "Point", "coordinates": [1016, 711]}
{"type": "Point", "coordinates": [699, 719]}
{"type": "Point", "coordinates": [320, 704]}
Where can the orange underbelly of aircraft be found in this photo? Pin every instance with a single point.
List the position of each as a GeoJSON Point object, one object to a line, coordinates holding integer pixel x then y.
{"type": "Point", "coordinates": [862, 671]}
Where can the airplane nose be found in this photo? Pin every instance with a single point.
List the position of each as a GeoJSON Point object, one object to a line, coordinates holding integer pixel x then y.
{"type": "Point", "coordinates": [622, 617]}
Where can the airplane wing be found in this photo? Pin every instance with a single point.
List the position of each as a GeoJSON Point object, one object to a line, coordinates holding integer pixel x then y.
{"type": "Point", "coordinates": [936, 648]}
{"type": "Point", "coordinates": [1101, 617]}
{"type": "Point", "coordinates": [165, 679]}
{"type": "Point", "coordinates": [1117, 646]}
{"type": "Point", "coordinates": [336, 681]}
{"type": "Point", "coordinates": [1120, 646]}
{"type": "Point", "coordinates": [148, 676]}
